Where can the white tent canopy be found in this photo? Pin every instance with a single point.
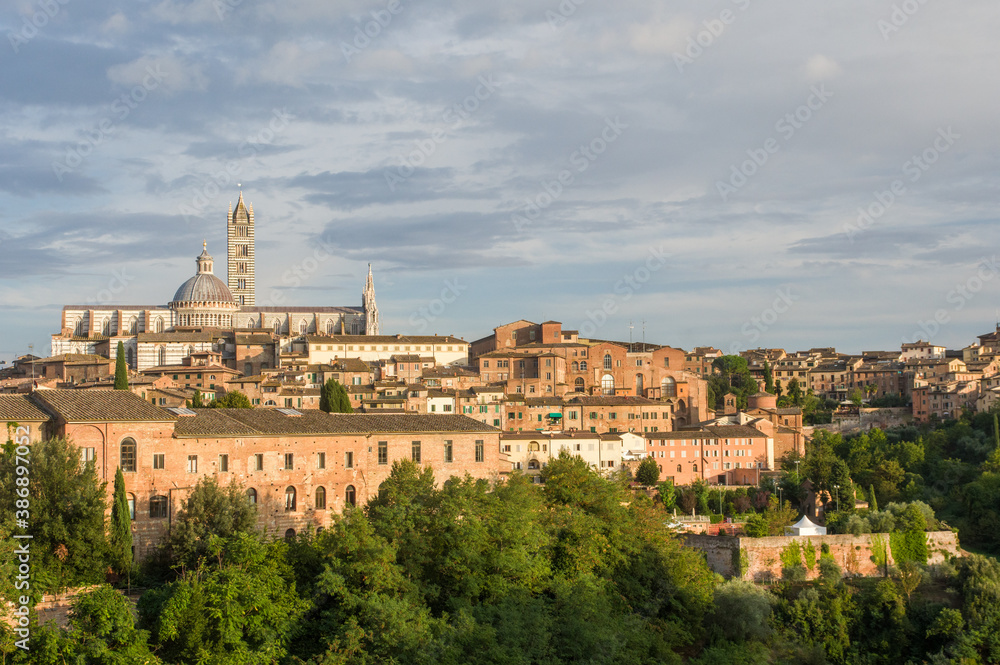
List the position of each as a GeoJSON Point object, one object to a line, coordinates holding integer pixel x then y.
{"type": "Point", "coordinates": [805, 527]}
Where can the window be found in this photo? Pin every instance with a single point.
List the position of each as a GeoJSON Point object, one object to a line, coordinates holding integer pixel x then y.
{"type": "Point", "coordinates": [320, 498]}
{"type": "Point", "coordinates": [383, 452]}
{"type": "Point", "coordinates": [350, 497]}
{"type": "Point", "coordinates": [608, 384]}
{"type": "Point", "coordinates": [607, 361]}
{"type": "Point", "coordinates": [290, 534]}
{"type": "Point", "coordinates": [349, 460]}
{"type": "Point", "coordinates": [448, 452]}
{"type": "Point", "coordinates": [678, 468]}
{"type": "Point", "coordinates": [415, 452]}
{"type": "Point", "coordinates": [480, 450]}
{"type": "Point", "coordinates": [131, 506]}
{"type": "Point", "coordinates": [289, 461]}
{"type": "Point", "coordinates": [87, 455]}
{"type": "Point", "coordinates": [320, 460]}
{"type": "Point", "coordinates": [252, 495]}
{"type": "Point", "coordinates": [223, 463]}
{"type": "Point", "coordinates": [258, 460]}
{"type": "Point", "coordinates": [289, 499]}
{"type": "Point", "coordinates": [127, 455]}
{"type": "Point", "coordinates": [192, 465]}
{"type": "Point", "coordinates": [583, 365]}
{"type": "Point", "coordinates": [157, 507]}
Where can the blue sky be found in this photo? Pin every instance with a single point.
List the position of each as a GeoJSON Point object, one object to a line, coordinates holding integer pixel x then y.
{"type": "Point", "coordinates": [700, 166]}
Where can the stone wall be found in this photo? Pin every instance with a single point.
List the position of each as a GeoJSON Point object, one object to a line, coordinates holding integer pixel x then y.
{"type": "Point", "coordinates": [761, 557]}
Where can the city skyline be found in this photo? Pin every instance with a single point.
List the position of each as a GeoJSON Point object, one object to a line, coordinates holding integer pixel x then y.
{"type": "Point", "coordinates": [700, 168]}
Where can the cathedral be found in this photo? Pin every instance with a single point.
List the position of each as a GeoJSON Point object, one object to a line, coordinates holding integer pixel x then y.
{"type": "Point", "coordinates": [206, 314]}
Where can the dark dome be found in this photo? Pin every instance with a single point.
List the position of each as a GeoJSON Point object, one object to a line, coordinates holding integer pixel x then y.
{"type": "Point", "coordinates": [204, 287]}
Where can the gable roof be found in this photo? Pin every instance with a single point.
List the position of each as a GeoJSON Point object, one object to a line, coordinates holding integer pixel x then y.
{"type": "Point", "coordinates": [98, 406]}
{"type": "Point", "coordinates": [271, 422]}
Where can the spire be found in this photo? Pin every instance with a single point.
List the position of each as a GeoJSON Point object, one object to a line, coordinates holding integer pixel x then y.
{"type": "Point", "coordinates": [368, 304]}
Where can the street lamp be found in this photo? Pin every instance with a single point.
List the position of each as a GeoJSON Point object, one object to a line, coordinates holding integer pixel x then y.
{"type": "Point", "coordinates": [837, 487]}
{"type": "Point", "coordinates": [797, 471]}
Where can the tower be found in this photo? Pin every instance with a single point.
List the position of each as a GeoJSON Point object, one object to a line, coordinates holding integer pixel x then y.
{"type": "Point", "coordinates": [368, 303]}
{"type": "Point", "coordinates": [240, 232]}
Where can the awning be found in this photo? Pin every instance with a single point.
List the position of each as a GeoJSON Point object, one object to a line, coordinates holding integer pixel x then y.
{"type": "Point", "coordinates": [555, 415]}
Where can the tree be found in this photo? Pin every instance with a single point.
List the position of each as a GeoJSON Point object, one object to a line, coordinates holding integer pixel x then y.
{"type": "Point", "coordinates": [67, 500]}
{"type": "Point", "coordinates": [120, 536]}
{"type": "Point", "coordinates": [209, 510]}
{"type": "Point", "coordinates": [232, 400]}
{"type": "Point", "coordinates": [196, 401]}
{"type": "Point", "coordinates": [121, 369]}
{"type": "Point", "coordinates": [103, 629]}
{"type": "Point", "coordinates": [648, 473]}
{"type": "Point", "coordinates": [239, 607]}
{"type": "Point", "coordinates": [769, 386]}
{"type": "Point", "coordinates": [334, 398]}
{"type": "Point", "coordinates": [795, 392]}
{"type": "Point", "coordinates": [777, 388]}
{"type": "Point", "coordinates": [857, 397]}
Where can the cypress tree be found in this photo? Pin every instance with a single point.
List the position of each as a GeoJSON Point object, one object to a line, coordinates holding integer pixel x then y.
{"type": "Point", "coordinates": [873, 504]}
{"type": "Point", "coordinates": [121, 369]}
{"type": "Point", "coordinates": [120, 538]}
{"type": "Point", "coordinates": [996, 433]}
{"type": "Point", "coordinates": [196, 401]}
{"type": "Point", "coordinates": [334, 399]}
{"type": "Point", "coordinates": [768, 378]}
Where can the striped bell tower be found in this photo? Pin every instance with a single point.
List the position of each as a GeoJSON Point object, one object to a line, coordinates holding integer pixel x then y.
{"type": "Point", "coordinates": [240, 233]}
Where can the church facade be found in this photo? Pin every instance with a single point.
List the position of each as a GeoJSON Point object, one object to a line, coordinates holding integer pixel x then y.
{"type": "Point", "coordinates": [205, 312]}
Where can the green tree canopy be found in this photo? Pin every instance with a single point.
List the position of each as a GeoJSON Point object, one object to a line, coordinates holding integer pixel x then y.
{"type": "Point", "coordinates": [210, 510]}
{"type": "Point", "coordinates": [121, 368]}
{"type": "Point", "coordinates": [232, 400]}
{"type": "Point", "coordinates": [334, 398]}
{"type": "Point", "coordinates": [120, 534]}
{"type": "Point", "coordinates": [648, 473]}
{"type": "Point", "coordinates": [67, 508]}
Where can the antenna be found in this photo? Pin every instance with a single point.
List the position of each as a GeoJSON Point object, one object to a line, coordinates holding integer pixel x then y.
{"type": "Point", "coordinates": [644, 334]}
{"type": "Point", "coordinates": [630, 327]}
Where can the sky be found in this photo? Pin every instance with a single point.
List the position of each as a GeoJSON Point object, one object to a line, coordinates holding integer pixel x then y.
{"type": "Point", "coordinates": [732, 173]}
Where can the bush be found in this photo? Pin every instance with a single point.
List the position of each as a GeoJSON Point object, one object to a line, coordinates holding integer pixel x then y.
{"type": "Point", "coordinates": [742, 611]}
{"type": "Point", "coordinates": [796, 573]}
{"type": "Point", "coordinates": [829, 571]}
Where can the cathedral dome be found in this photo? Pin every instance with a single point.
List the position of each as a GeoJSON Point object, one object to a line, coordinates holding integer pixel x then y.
{"type": "Point", "coordinates": [204, 287]}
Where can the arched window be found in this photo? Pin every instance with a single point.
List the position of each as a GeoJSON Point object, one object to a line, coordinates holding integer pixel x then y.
{"type": "Point", "coordinates": [252, 495]}
{"type": "Point", "coordinates": [158, 326]}
{"type": "Point", "coordinates": [277, 327]}
{"type": "Point", "coordinates": [678, 468]}
{"type": "Point", "coordinates": [579, 383]}
{"type": "Point", "coordinates": [320, 498]}
{"type": "Point", "coordinates": [694, 467]}
{"type": "Point", "coordinates": [270, 402]}
{"type": "Point", "coordinates": [533, 447]}
{"type": "Point", "coordinates": [130, 357]}
{"type": "Point", "coordinates": [126, 458]}
{"type": "Point", "coordinates": [583, 365]}
{"type": "Point", "coordinates": [131, 506]}
{"type": "Point", "coordinates": [349, 496]}
{"type": "Point", "coordinates": [607, 361]}
{"type": "Point", "coordinates": [157, 507]}
{"type": "Point", "coordinates": [608, 384]}
{"type": "Point", "coordinates": [289, 499]}
{"type": "Point", "coordinates": [161, 356]}
{"type": "Point", "coordinates": [639, 384]}
{"type": "Point", "coordinates": [106, 328]}
{"type": "Point", "coordinates": [668, 387]}
{"type": "Point", "coordinates": [329, 326]}
{"type": "Point", "coordinates": [355, 327]}
{"type": "Point", "coordinates": [303, 327]}
{"type": "Point", "coordinates": [576, 366]}
{"type": "Point", "coordinates": [133, 325]}
{"type": "Point", "coordinates": [290, 534]}
{"type": "Point", "coordinates": [533, 464]}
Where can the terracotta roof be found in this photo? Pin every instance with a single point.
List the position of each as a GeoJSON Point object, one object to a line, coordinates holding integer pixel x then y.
{"type": "Point", "coordinates": [610, 400]}
{"type": "Point", "coordinates": [204, 336]}
{"type": "Point", "coordinates": [19, 408]}
{"type": "Point", "coordinates": [99, 405]}
{"type": "Point", "coordinates": [246, 422]}
{"type": "Point", "coordinates": [384, 339]}
{"type": "Point", "coordinates": [736, 432]}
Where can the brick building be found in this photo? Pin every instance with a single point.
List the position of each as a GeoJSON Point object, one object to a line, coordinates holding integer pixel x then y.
{"type": "Point", "coordinates": [299, 467]}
